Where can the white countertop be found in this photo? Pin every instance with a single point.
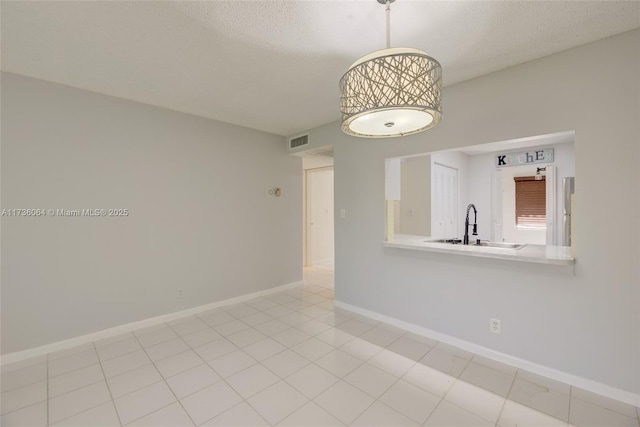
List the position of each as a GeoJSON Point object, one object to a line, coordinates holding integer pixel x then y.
{"type": "Point", "coordinates": [559, 255]}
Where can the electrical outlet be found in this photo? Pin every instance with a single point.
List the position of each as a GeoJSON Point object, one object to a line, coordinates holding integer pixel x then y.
{"type": "Point", "coordinates": [495, 326]}
{"type": "Point", "coordinates": [179, 293]}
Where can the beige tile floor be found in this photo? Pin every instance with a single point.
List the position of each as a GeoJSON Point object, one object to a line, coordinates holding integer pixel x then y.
{"type": "Point", "coordinates": [288, 359]}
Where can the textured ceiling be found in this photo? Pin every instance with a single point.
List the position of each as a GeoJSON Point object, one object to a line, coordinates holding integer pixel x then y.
{"type": "Point", "coordinates": [275, 65]}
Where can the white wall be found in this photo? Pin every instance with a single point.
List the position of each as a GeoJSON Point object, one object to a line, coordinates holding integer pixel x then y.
{"type": "Point", "coordinates": [199, 216]}
{"type": "Point", "coordinates": [316, 161]}
{"type": "Point", "coordinates": [479, 189]}
{"type": "Point", "coordinates": [415, 200]}
{"type": "Point", "coordinates": [583, 320]}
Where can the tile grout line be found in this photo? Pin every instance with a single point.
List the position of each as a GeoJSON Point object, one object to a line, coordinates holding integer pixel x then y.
{"type": "Point", "coordinates": [513, 381]}
{"type": "Point", "coordinates": [31, 383]}
{"type": "Point", "coordinates": [469, 411]}
{"type": "Point", "coordinates": [83, 411]}
{"type": "Point", "coordinates": [161, 376]}
{"type": "Point", "coordinates": [442, 398]}
{"type": "Point", "coordinates": [47, 379]}
{"type": "Point", "coordinates": [434, 410]}
{"type": "Point", "coordinates": [280, 379]}
{"type": "Point", "coordinates": [163, 379]}
{"type": "Point", "coordinates": [242, 370]}
{"type": "Point", "coordinates": [132, 337]}
{"type": "Point", "coordinates": [75, 368]}
{"type": "Point", "coordinates": [235, 406]}
{"type": "Point", "coordinates": [222, 379]}
{"type": "Point", "coordinates": [569, 409]}
{"type": "Point", "coordinates": [258, 412]}
{"type": "Point", "coordinates": [104, 375]}
{"type": "Point", "coordinates": [258, 362]}
{"type": "Point", "coordinates": [292, 373]}
{"type": "Point", "coordinates": [528, 405]}
{"type": "Point", "coordinates": [73, 372]}
{"type": "Point", "coordinates": [80, 388]}
{"type": "Point", "coordinates": [377, 399]}
{"type": "Point", "coordinates": [126, 372]}
{"type": "Point", "coordinates": [157, 410]}
{"type": "Point", "coordinates": [457, 378]}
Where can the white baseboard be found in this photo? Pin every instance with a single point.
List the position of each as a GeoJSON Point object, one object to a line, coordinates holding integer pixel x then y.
{"type": "Point", "coordinates": [545, 371]}
{"type": "Point", "coordinates": [118, 330]}
{"type": "Point", "coordinates": [322, 263]}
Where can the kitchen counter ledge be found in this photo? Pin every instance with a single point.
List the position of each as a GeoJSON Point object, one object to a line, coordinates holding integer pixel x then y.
{"type": "Point", "coordinates": [542, 254]}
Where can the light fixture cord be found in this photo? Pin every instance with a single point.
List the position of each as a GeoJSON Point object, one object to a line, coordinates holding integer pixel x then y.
{"type": "Point", "coordinates": [388, 24]}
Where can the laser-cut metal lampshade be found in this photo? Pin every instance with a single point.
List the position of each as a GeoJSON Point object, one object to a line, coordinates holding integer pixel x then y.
{"type": "Point", "coordinates": [391, 92]}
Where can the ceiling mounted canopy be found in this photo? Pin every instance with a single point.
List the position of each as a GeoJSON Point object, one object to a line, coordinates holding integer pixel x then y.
{"type": "Point", "coordinates": [391, 92]}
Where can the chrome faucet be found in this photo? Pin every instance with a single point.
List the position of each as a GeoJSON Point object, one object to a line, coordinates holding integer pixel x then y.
{"type": "Point", "coordinates": [465, 241]}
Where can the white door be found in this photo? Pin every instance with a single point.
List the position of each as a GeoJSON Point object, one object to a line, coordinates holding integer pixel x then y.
{"type": "Point", "coordinates": [444, 201]}
{"type": "Point", "coordinates": [319, 219]}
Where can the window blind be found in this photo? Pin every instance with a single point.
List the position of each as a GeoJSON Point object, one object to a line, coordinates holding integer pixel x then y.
{"type": "Point", "coordinates": [531, 203]}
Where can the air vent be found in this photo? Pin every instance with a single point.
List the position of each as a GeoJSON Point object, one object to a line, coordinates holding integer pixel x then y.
{"type": "Point", "coordinates": [299, 141]}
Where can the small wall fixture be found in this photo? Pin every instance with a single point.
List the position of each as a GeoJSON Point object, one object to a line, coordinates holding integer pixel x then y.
{"type": "Point", "coordinates": [539, 176]}
{"type": "Point", "coordinates": [274, 192]}
{"type": "Point", "coordinates": [391, 92]}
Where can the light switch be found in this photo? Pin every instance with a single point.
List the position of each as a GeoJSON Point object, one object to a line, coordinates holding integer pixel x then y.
{"type": "Point", "coordinates": [343, 213]}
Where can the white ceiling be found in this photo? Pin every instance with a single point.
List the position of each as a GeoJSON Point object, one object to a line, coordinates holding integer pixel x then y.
{"type": "Point", "coordinates": [275, 65]}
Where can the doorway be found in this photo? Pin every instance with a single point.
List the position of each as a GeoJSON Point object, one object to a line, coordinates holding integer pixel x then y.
{"type": "Point", "coordinates": [506, 227]}
{"type": "Point", "coordinates": [319, 222]}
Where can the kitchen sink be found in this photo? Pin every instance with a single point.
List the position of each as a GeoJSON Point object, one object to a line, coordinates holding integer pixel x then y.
{"type": "Point", "coordinates": [452, 241]}
{"type": "Point", "coordinates": [503, 245]}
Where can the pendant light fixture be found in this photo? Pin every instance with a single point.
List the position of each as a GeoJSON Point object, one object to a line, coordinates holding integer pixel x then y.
{"type": "Point", "coordinates": [391, 92]}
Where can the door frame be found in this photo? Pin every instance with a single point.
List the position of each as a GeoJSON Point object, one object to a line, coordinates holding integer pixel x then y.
{"type": "Point", "coordinates": [497, 220]}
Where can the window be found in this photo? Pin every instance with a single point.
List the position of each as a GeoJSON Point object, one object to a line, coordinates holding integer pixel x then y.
{"type": "Point", "coordinates": [531, 207]}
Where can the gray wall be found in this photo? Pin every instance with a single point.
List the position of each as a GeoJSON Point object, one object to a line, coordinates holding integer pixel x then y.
{"type": "Point", "coordinates": [415, 196]}
{"type": "Point", "coordinates": [584, 323]}
{"type": "Point", "coordinates": [199, 216]}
